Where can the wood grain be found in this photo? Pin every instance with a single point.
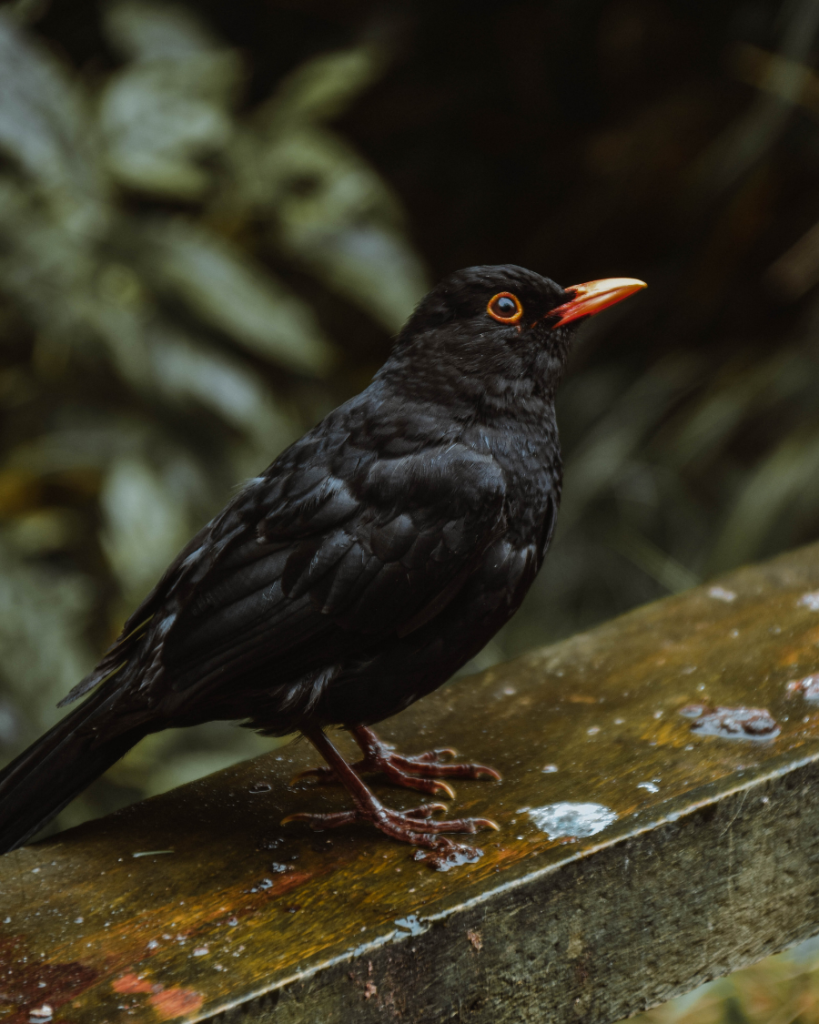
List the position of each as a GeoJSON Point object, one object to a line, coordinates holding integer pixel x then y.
{"type": "Point", "coordinates": [708, 864]}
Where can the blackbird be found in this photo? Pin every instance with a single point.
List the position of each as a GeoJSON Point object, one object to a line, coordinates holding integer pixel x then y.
{"type": "Point", "coordinates": [365, 565]}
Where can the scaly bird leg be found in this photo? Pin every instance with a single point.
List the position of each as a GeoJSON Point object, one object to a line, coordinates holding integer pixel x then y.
{"type": "Point", "coordinates": [414, 826]}
{"type": "Point", "coordinates": [418, 772]}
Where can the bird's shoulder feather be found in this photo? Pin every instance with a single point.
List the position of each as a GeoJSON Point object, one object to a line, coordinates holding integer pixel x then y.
{"type": "Point", "coordinates": [333, 547]}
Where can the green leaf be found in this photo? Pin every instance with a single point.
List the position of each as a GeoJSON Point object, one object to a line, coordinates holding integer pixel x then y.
{"type": "Point", "coordinates": [46, 128]}
{"type": "Point", "coordinates": [146, 521]}
{"type": "Point", "coordinates": [187, 369]}
{"type": "Point", "coordinates": [43, 613]}
{"type": "Point", "coordinates": [158, 120]}
{"type": "Point", "coordinates": [145, 31]}
{"type": "Point", "coordinates": [160, 114]}
{"type": "Point", "coordinates": [232, 293]}
{"type": "Point", "coordinates": [324, 87]}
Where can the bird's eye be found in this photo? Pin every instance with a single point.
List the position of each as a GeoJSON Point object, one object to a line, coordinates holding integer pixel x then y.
{"type": "Point", "coordinates": [505, 308]}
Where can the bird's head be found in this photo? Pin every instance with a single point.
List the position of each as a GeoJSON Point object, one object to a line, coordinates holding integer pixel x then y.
{"type": "Point", "coordinates": [499, 330]}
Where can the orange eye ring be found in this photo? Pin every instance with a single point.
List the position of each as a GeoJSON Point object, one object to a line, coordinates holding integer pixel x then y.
{"type": "Point", "coordinates": [499, 308]}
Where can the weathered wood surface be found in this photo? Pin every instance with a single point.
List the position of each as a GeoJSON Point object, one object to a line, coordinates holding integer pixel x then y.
{"type": "Point", "coordinates": [710, 861]}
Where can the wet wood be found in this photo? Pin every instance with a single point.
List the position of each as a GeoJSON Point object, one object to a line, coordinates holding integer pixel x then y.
{"type": "Point", "coordinates": [198, 904]}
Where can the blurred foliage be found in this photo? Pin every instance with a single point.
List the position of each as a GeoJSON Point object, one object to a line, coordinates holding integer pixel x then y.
{"type": "Point", "coordinates": [213, 217]}
{"type": "Point", "coordinates": [780, 990]}
{"type": "Point", "coordinates": [151, 355]}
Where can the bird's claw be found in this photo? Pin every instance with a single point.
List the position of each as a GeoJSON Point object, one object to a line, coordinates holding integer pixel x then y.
{"type": "Point", "coordinates": [414, 826]}
{"type": "Point", "coordinates": [318, 822]}
{"type": "Point", "coordinates": [430, 763]}
{"type": "Point", "coordinates": [421, 772]}
{"type": "Point", "coordinates": [327, 777]}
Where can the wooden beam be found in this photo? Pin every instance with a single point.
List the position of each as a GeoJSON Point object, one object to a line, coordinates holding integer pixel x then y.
{"type": "Point", "coordinates": [703, 855]}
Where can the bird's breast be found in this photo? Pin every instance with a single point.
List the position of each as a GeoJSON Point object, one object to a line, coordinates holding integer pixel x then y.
{"type": "Point", "coordinates": [532, 470]}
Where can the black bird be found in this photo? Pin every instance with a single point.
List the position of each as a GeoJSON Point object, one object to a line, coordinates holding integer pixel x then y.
{"type": "Point", "coordinates": [368, 563]}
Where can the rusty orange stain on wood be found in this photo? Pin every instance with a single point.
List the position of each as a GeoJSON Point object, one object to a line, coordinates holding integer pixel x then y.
{"type": "Point", "coordinates": [130, 983]}
{"type": "Point", "coordinates": [176, 1002]}
{"type": "Point", "coordinates": [168, 1003]}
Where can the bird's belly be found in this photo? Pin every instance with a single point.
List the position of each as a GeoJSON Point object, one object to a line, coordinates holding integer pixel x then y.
{"type": "Point", "coordinates": [403, 670]}
{"type": "Point", "coordinates": [364, 685]}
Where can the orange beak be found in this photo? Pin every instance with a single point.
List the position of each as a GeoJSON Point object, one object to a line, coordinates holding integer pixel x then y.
{"type": "Point", "coordinates": [589, 298]}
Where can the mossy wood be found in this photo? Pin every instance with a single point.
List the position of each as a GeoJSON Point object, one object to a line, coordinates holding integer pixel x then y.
{"type": "Point", "coordinates": [197, 903]}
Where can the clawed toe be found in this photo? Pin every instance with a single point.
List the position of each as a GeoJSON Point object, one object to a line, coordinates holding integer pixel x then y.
{"type": "Point", "coordinates": [434, 787]}
{"type": "Point", "coordinates": [421, 813]}
{"type": "Point", "coordinates": [421, 772]}
{"type": "Point", "coordinates": [433, 767]}
{"type": "Point", "coordinates": [319, 822]}
{"type": "Point", "coordinates": [392, 775]}
{"type": "Point", "coordinates": [324, 776]}
{"type": "Point", "coordinates": [401, 769]}
{"type": "Point", "coordinates": [415, 826]}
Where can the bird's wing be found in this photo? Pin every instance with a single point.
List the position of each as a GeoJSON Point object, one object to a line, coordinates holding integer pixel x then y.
{"type": "Point", "coordinates": [322, 560]}
{"type": "Point", "coordinates": [346, 561]}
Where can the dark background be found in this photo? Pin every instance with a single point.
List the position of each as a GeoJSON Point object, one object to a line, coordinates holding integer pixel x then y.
{"type": "Point", "coordinates": [676, 142]}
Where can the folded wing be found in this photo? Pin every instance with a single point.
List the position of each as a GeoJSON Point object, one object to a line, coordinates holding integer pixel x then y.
{"type": "Point", "coordinates": [317, 561]}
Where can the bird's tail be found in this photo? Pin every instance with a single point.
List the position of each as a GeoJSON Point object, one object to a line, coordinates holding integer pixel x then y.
{"type": "Point", "coordinates": [60, 764]}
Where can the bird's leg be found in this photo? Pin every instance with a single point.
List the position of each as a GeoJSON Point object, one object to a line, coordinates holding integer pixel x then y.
{"type": "Point", "coordinates": [414, 826]}
{"type": "Point", "coordinates": [420, 772]}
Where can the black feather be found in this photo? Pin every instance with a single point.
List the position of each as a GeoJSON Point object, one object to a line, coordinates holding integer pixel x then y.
{"type": "Point", "coordinates": [372, 559]}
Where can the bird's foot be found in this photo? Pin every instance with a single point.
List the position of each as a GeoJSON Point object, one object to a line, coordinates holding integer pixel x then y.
{"type": "Point", "coordinates": [415, 826]}
{"type": "Point", "coordinates": [420, 772]}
